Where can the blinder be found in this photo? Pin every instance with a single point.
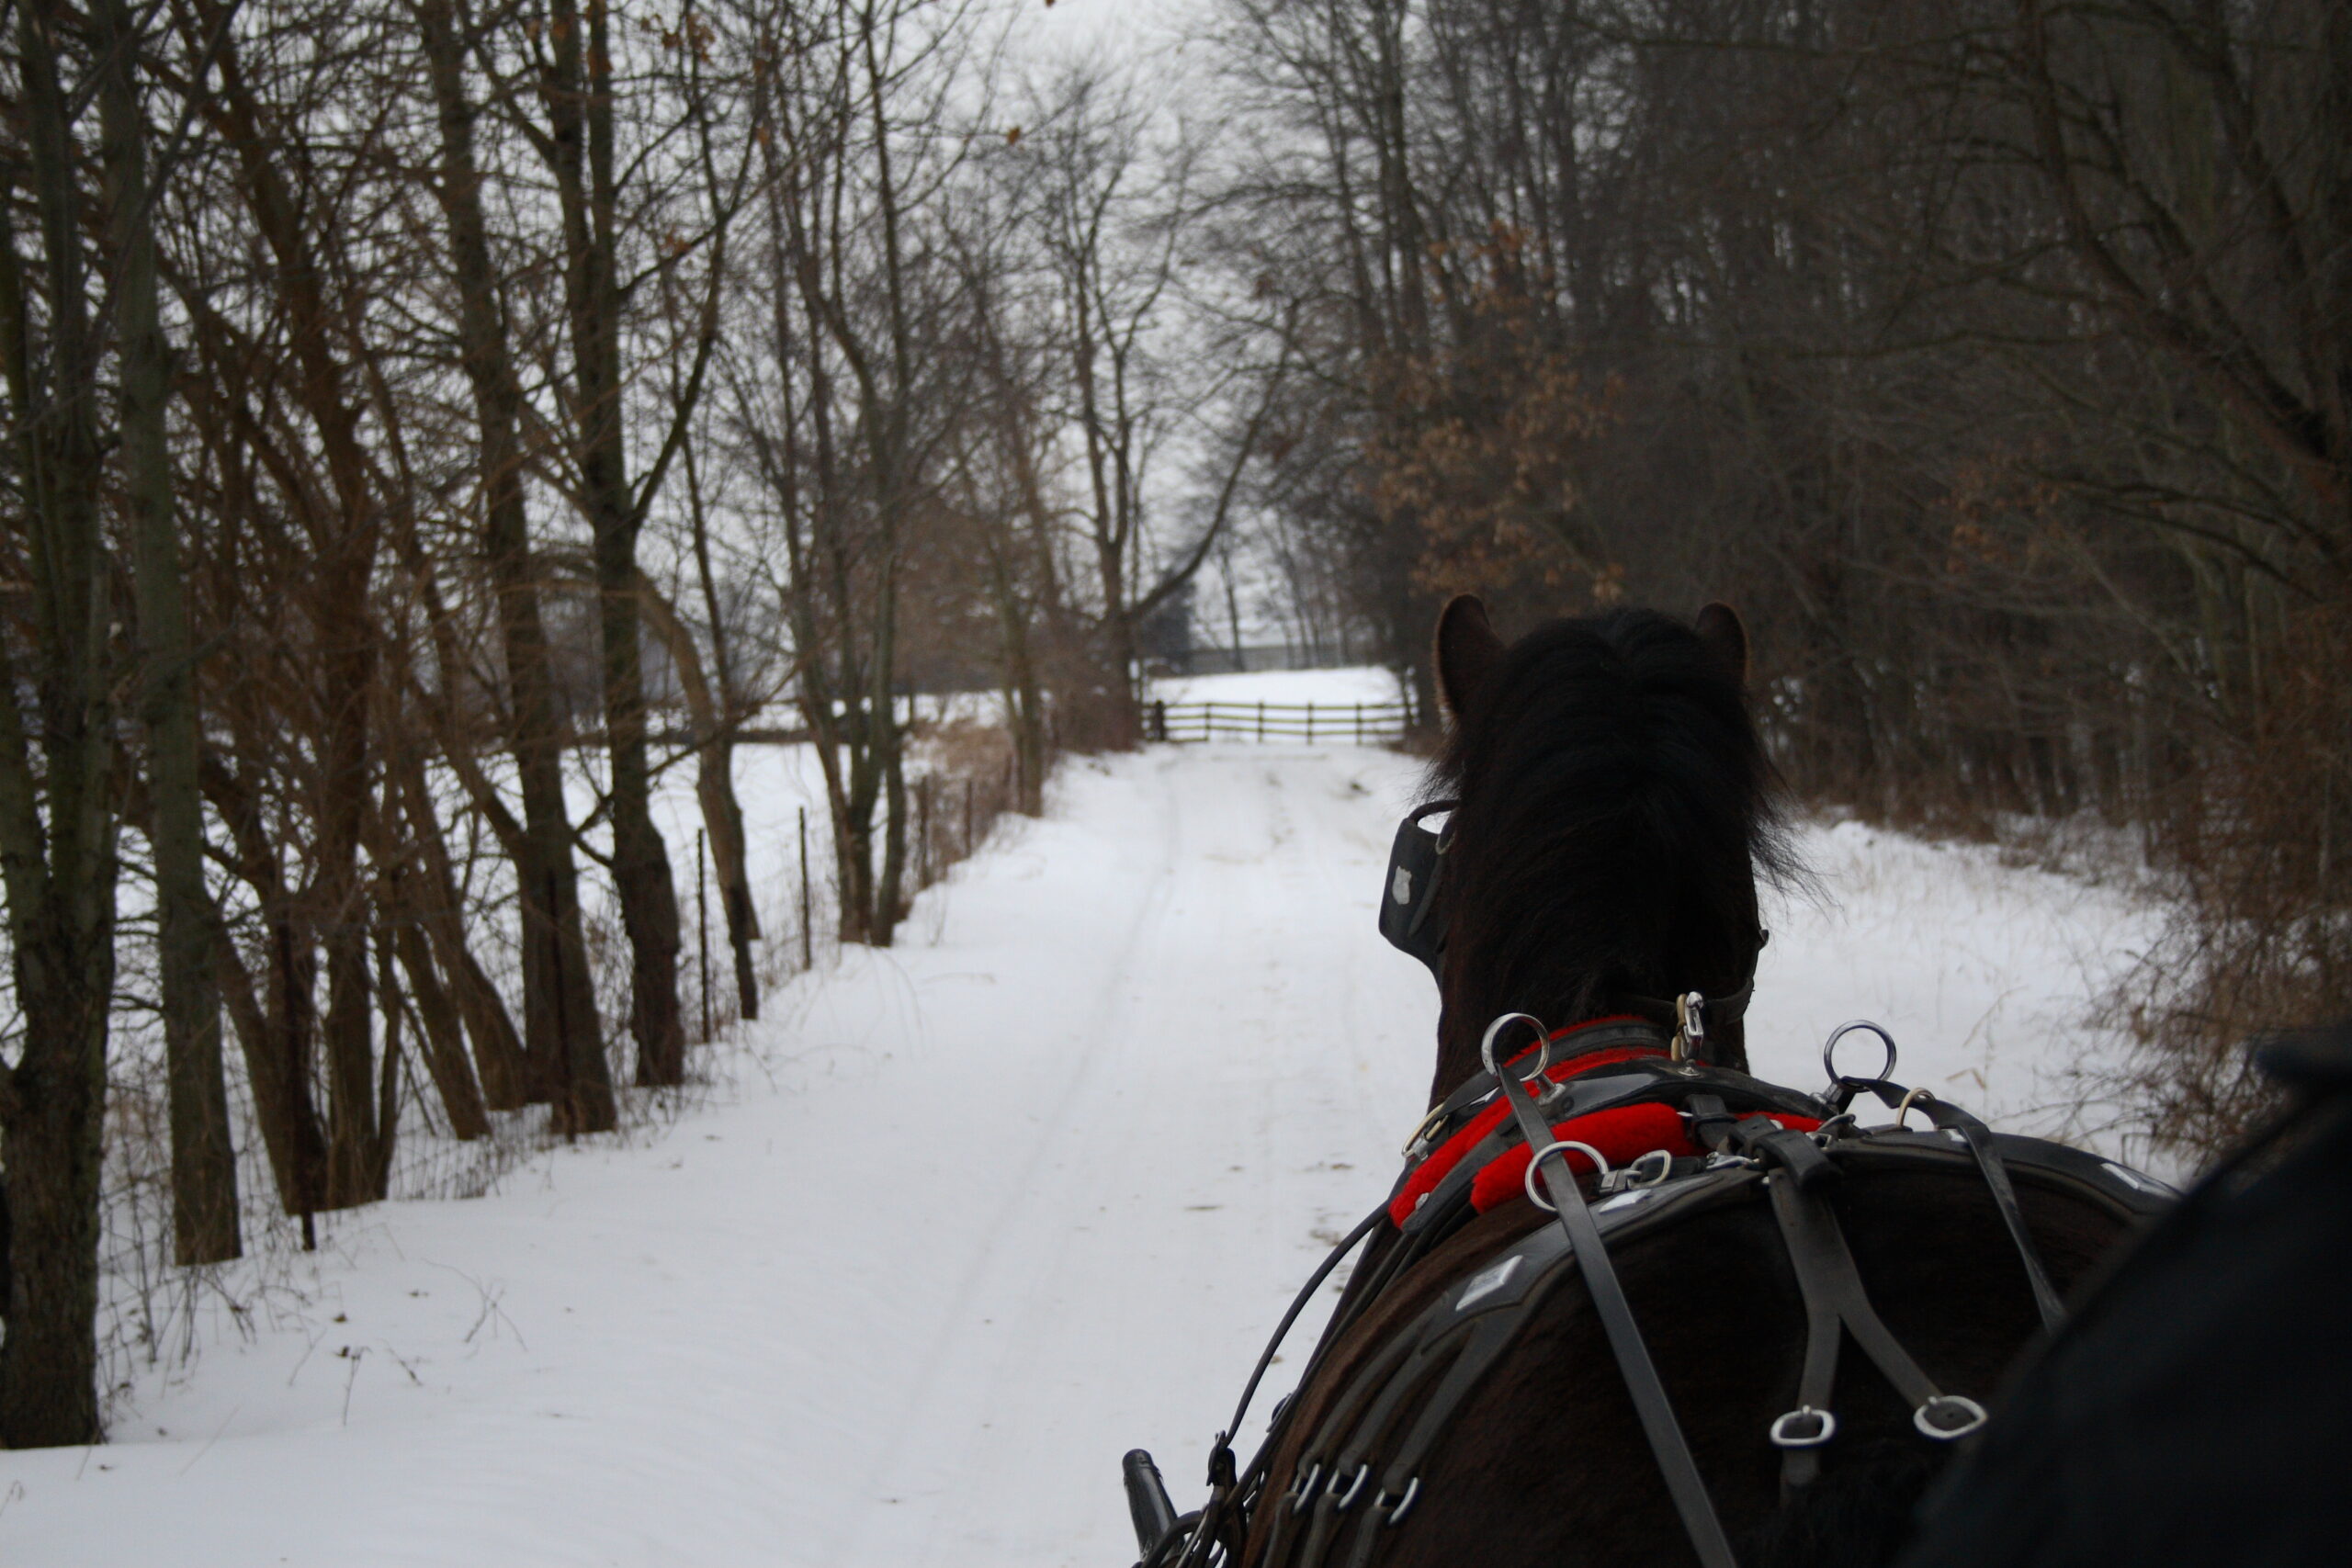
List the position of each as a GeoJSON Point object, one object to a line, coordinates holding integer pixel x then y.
{"type": "Point", "coordinates": [1408, 894]}
{"type": "Point", "coordinates": [1407, 920]}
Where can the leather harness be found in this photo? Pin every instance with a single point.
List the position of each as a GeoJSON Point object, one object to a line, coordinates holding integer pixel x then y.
{"type": "Point", "coordinates": [1358, 1472]}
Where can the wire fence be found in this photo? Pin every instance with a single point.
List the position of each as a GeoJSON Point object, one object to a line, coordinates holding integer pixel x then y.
{"type": "Point", "coordinates": [1358, 724]}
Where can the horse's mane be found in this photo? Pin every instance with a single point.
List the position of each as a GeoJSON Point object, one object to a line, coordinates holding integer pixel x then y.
{"type": "Point", "coordinates": [1616, 808]}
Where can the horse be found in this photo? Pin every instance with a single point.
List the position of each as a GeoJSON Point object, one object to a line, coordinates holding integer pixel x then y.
{"type": "Point", "coordinates": [1612, 809]}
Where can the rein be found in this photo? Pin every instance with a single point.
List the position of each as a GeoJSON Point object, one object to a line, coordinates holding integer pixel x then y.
{"type": "Point", "coordinates": [1568, 1207]}
{"type": "Point", "coordinates": [1621, 1066]}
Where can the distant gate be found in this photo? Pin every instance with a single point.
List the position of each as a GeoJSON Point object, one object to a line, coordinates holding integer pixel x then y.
{"type": "Point", "coordinates": [1357, 724]}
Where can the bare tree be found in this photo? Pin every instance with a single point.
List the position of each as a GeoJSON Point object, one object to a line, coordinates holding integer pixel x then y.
{"type": "Point", "coordinates": [204, 1171]}
{"type": "Point", "coordinates": [565, 1042]}
{"type": "Point", "coordinates": [58, 825]}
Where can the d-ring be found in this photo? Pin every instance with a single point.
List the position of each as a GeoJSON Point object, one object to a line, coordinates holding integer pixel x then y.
{"type": "Point", "coordinates": [1909, 1100]}
{"type": "Point", "coordinates": [1829, 1050]}
{"type": "Point", "coordinates": [1930, 1417]}
{"type": "Point", "coordinates": [1486, 1046]}
{"type": "Point", "coordinates": [1600, 1163]}
{"type": "Point", "coordinates": [1804, 1428]}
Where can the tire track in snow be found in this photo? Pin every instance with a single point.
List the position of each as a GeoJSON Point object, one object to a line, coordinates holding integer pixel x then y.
{"type": "Point", "coordinates": [896, 1471]}
{"type": "Point", "coordinates": [1125, 1309]}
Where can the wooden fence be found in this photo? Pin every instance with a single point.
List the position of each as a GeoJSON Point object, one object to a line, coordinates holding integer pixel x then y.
{"type": "Point", "coordinates": [1359, 724]}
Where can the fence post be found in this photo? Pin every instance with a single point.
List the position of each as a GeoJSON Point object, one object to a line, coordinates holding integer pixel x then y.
{"type": "Point", "coordinates": [807, 960]}
{"type": "Point", "coordinates": [1261, 720]}
{"type": "Point", "coordinates": [702, 929]}
{"type": "Point", "coordinates": [1359, 724]}
{"type": "Point", "coordinates": [922, 832]}
{"type": "Point", "coordinates": [1311, 721]}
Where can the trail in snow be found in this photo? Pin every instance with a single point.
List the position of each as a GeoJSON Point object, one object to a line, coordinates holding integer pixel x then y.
{"type": "Point", "coordinates": [1003, 1204]}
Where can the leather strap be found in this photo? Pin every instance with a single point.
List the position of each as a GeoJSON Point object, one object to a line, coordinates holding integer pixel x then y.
{"type": "Point", "coordinates": [1758, 1137]}
{"type": "Point", "coordinates": [1995, 1172]}
{"type": "Point", "coordinates": [1818, 1248]}
{"type": "Point", "coordinates": [1825, 1331]}
{"type": "Point", "coordinates": [1650, 1403]}
{"type": "Point", "coordinates": [1835, 1302]}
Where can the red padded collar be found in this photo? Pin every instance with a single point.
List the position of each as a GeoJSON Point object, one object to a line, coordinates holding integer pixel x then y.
{"type": "Point", "coordinates": [1448, 1154]}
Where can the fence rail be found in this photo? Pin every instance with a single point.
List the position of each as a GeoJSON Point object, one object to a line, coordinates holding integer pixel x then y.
{"type": "Point", "coordinates": [1360, 724]}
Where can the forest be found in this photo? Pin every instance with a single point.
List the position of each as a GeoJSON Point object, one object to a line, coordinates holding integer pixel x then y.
{"type": "Point", "coordinates": [430, 423]}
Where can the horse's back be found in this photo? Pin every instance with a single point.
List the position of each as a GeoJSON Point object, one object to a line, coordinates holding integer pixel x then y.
{"type": "Point", "coordinates": [1546, 1462]}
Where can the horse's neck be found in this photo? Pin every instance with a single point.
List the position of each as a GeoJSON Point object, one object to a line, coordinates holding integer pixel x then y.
{"type": "Point", "coordinates": [1570, 998]}
{"type": "Point", "coordinates": [1557, 1000]}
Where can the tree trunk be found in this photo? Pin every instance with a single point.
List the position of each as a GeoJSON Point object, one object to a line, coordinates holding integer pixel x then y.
{"type": "Point", "coordinates": [714, 788]}
{"type": "Point", "coordinates": [276, 1036]}
{"type": "Point", "coordinates": [440, 917]}
{"type": "Point", "coordinates": [579, 95]}
{"type": "Point", "coordinates": [715, 782]}
{"type": "Point", "coordinates": [58, 864]}
{"type": "Point", "coordinates": [400, 901]}
{"type": "Point", "coordinates": [344, 537]}
{"type": "Point", "coordinates": [560, 1027]}
{"type": "Point", "coordinates": [1024, 701]}
{"type": "Point", "coordinates": [338, 911]}
{"type": "Point", "coordinates": [264, 1072]}
{"type": "Point", "coordinates": [204, 1165]}
{"type": "Point", "coordinates": [443, 1044]}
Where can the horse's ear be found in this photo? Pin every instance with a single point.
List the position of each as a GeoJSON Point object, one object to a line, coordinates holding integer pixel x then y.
{"type": "Point", "coordinates": [1467, 651]}
{"type": "Point", "coordinates": [1723, 636]}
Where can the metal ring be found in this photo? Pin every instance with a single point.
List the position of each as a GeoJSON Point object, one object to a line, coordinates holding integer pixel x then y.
{"type": "Point", "coordinates": [1305, 1487]}
{"type": "Point", "coordinates": [1829, 1049]}
{"type": "Point", "coordinates": [1635, 1169]}
{"type": "Point", "coordinates": [1783, 1438]}
{"type": "Point", "coordinates": [1404, 1500]}
{"type": "Point", "coordinates": [1971, 1414]}
{"type": "Point", "coordinates": [1600, 1163]}
{"type": "Point", "coordinates": [1486, 1046]}
{"type": "Point", "coordinates": [1355, 1486]}
{"type": "Point", "coordinates": [1910, 1099]}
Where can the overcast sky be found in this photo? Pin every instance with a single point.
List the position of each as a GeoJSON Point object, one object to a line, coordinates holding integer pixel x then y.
{"type": "Point", "coordinates": [1169, 32]}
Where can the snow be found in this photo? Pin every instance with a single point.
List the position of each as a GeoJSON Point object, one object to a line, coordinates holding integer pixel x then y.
{"type": "Point", "coordinates": [1356, 683]}
{"type": "Point", "coordinates": [965, 1219]}
{"type": "Point", "coordinates": [1986, 974]}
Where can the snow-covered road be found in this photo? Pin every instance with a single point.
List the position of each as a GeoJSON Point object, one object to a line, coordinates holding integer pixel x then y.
{"type": "Point", "coordinates": [1007, 1200]}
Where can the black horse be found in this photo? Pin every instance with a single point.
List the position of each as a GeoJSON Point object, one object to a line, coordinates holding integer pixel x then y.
{"type": "Point", "coordinates": [1613, 812]}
